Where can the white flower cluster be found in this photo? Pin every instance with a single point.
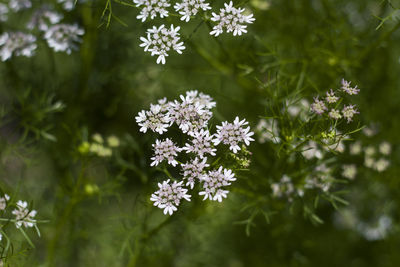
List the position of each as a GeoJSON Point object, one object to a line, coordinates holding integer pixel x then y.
{"type": "Point", "coordinates": [191, 115]}
{"type": "Point", "coordinates": [151, 8]}
{"type": "Point", "coordinates": [23, 216]}
{"type": "Point", "coordinates": [286, 188]}
{"type": "Point", "coordinates": [42, 18]}
{"type": "Point", "coordinates": [267, 130]}
{"type": "Point", "coordinates": [16, 43]}
{"type": "Point", "coordinates": [332, 101]}
{"type": "Point", "coordinates": [17, 5]}
{"type": "Point", "coordinates": [59, 36]}
{"type": "Point", "coordinates": [161, 40]}
{"type": "Point", "coordinates": [63, 37]}
{"type": "Point", "coordinates": [189, 8]}
{"type": "Point", "coordinates": [231, 19]}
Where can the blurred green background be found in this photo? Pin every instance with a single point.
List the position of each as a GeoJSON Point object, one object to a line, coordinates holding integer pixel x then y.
{"type": "Point", "coordinates": [98, 208]}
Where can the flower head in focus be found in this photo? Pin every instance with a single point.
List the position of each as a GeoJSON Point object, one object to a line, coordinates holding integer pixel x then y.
{"type": "Point", "coordinates": [155, 119]}
{"type": "Point", "coordinates": [213, 183]}
{"type": "Point", "coordinates": [151, 8]}
{"type": "Point", "coordinates": [161, 40]}
{"type": "Point", "coordinates": [201, 144]}
{"type": "Point", "coordinates": [24, 217]}
{"type": "Point", "coordinates": [231, 19]}
{"type": "Point", "coordinates": [169, 196]}
{"type": "Point", "coordinates": [188, 8]}
{"type": "Point", "coordinates": [165, 150]}
{"type": "Point", "coordinates": [346, 87]}
{"type": "Point", "coordinates": [193, 170]}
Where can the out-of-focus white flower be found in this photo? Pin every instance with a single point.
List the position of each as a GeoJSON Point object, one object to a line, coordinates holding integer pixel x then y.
{"type": "Point", "coordinates": [300, 108]}
{"type": "Point", "coordinates": [349, 111]}
{"type": "Point", "coordinates": [349, 171]}
{"type": "Point", "coordinates": [318, 106]}
{"type": "Point", "coordinates": [356, 148]}
{"type": "Point", "coordinates": [370, 151]}
{"type": "Point", "coordinates": [213, 183]}
{"type": "Point", "coordinates": [233, 134]}
{"type": "Point", "coordinates": [371, 130]}
{"type": "Point", "coordinates": [63, 37]}
{"type": "Point", "coordinates": [231, 19]}
{"type": "Point", "coordinates": [381, 164]}
{"type": "Point", "coordinates": [385, 148]}
{"type": "Point", "coordinates": [193, 170]}
{"type": "Point", "coordinates": [24, 217]}
{"type": "Point", "coordinates": [151, 8]}
{"type": "Point", "coordinates": [335, 114]}
{"type": "Point", "coordinates": [285, 188]}
{"type": "Point", "coordinates": [346, 87]}
{"type": "Point", "coordinates": [68, 5]}
{"type": "Point", "coordinates": [311, 151]}
{"type": "Point", "coordinates": [169, 196]}
{"type": "Point", "coordinates": [161, 40]}
{"type": "Point", "coordinates": [113, 141]}
{"type": "Point", "coordinates": [17, 5]}
{"type": "Point", "coordinates": [16, 43]}
{"type": "Point", "coordinates": [188, 8]}
{"type": "Point", "coordinates": [165, 150]}
{"type": "Point", "coordinates": [42, 18]}
{"type": "Point", "coordinates": [155, 119]}
{"type": "Point", "coordinates": [189, 115]}
{"type": "Point", "coordinates": [267, 130]}
{"type": "Point", "coordinates": [3, 12]}
{"type": "Point", "coordinates": [201, 144]}
{"type": "Point", "coordinates": [369, 162]}
{"type": "Point", "coordinates": [3, 201]}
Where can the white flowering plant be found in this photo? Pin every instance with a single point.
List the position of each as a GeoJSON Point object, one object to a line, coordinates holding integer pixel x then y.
{"type": "Point", "coordinates": [202, 158]}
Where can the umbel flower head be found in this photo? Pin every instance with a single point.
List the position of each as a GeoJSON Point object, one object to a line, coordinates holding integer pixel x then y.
{"type": "Point", "coordinates": [24, 217]}
{"type": "Point", "coordinates": [233, 134]}
{"type": "Point", "coordinates": [213, 183]}
{"type": "Point", "coordinates": [161, 40]}
{"type": "Point", "coordinates": [165, 150]}
{"type": "Point", "coordinates": [17, 44]}
{"type": "Point", "coordinates": [169, 196]}
{"type": "Point", "coordinates": [189, 114]}
{"type": "Point", "coordinates": [201, 144]}
{"type": "Point", "coordinates": [3, 201]}
{"type": "Point", "coordinates": [188, 8]}
{"type": "Point", "coordinates": [151, 8]}
{"type": "Point", "coordinates": [17, 5]}
{"type": "Point", "coordinates": [63, 37]}
{"type": "Point", "coordinates": [193, 170]}
{"type": "Point", "coordinates": [42, 18]}
{"type": "Point", "coordinates": [155, 119]}
{"type": "Point", "coordinates": [346, 87]}
{"type": "Point", "coordinates": [231, 19]}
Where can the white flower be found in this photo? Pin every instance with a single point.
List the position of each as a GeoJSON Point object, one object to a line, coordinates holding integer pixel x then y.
{"type": "Point", "coordinates": [311, 151]}
{"type": "Point", "coordinates": [168, 197]}
{"type": "Point", "coordinates": [385, 148]}
{"type": "Point", "coordinates": [284, 187]}
{"type": "Point", "coordinates": [335, 114]}
{"type": "Point", "coordinates": [193, 170]}
{"type": "Point", "coordinates": [348, 112]}
{"type": "Point", "coordinates": [155, 119]}
{"type": "Point", "coordinates": [3, 12]}
{"type": "Point", "coordinates": [214, 181]}
{"type": "Point", "coordinates": [318, 106]}
{"type": "Point", "coordinates": [63, 37]}
{"type": "Point", "coordinates": [370, 151]}
{"type": "Point", "coordinates": [161, 40]}
{"type": "Point", "coordinates": [16, 43]}
{"type": "Point", "coordinates": [3, 201]}
{"type": "Point", "coordinates": [42, 18]}
{"type": "Point", "coordinates": [267, 130]}
{"type": "Point", "coordinates": [202, 99]}
{"type": "Point", "coordinates": [68, 5]}
{"type": "Point", "coordinates": [381, 165]}
{"type": "Point", "coordinates": [151, 8]}
{"type": "Point", "coordinates": [17, 5]}
{"type": "Point", "coordinates": [330, 97]}
{"type": "Point", "coordinates": [355, 148]}
{"type": "Point", "coordinates": [189, 115]}
{"type": "Point", "coordinates": [349, 171]}
{"type": "Point", "coordinates": [369, 162]}
{"type": "Point", "coordinates": [233, 134]}
{"type": "Point", "coordinates": [188, 8]}
{"type": "Point", "coordinates": [165, 150]}
{"type": "Point", "coordinates": [23, 216]}
{"type": "Point", "coordinates": [348, 89]}
{"type": "Point", "coordinates": [201, 144]}
{"type": "Point", "coordinates": [232, 19]}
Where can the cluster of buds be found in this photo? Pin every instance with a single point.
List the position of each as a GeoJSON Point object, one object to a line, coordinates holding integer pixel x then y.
{"type": "Point", "coordinates": [331, 104]}
{"type": "Point", "coordinates": [191, 115]}
{"type": "Point", "coordinates": [98, 146]}
{"type": "Point", "coordinates": [161, 40]}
